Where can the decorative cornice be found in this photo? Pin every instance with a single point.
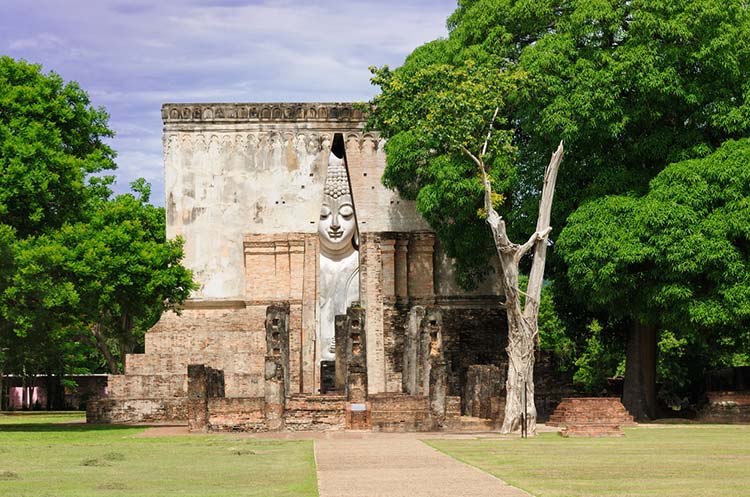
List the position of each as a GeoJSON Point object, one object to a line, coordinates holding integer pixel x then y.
{"type": "Point", "coordinates": [261, 112]}
{"type": "Point", "coordinates": [213, 304]}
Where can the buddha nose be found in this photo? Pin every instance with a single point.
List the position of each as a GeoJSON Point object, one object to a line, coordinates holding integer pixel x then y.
{"type": "Point", "coordinates": [335, 222]}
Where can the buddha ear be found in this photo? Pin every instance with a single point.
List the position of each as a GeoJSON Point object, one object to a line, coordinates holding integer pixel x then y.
{"type": "Point", "coordinates": [355, 239]}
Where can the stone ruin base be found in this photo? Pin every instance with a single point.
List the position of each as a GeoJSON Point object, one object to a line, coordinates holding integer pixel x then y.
{"type": "Point", "coordinates": [208, 410]}
{"type": "Point", "coordinates": [591, 417]}
{"type": "Point", "coordinates": [727, 407]}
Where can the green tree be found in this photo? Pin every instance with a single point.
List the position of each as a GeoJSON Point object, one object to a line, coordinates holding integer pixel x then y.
{"type": "Point", "coordinates": [676, 258]}
{"type": "Point", "coordinates": [80, 271]}
{"type": "Point", "coordinates": [103, 280]}
{"type": "Point", "coordinates": [450, 147]}
{"type": "Point", "coordinates": [629, 85]}
{"type": "Point", "coordinates": [51, 141]}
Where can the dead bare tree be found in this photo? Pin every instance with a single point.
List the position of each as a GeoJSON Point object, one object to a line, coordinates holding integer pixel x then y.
{"type": "Point", "coordinates": [522, 314]}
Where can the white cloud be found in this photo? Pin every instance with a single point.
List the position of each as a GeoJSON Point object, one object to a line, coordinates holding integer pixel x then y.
{"type": "Point", "coordinates": [132, 56]}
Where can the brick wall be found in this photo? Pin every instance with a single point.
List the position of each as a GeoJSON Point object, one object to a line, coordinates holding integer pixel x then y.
{"type": "Point", "coordinates": [236, 414]}
{"type": "Point", "coordinates": [393, 412]}
{"type": "Point", "coordinates": [142, 410]}
{"type": "Point", "coordinates": [727, 407]}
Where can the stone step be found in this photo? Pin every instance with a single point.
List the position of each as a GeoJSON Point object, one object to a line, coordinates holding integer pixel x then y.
{"type": "Point", "coordinates": [473, 424]}
{"type": "Point", "coordinates": [177, 363]}
{"type": "Point", "coordinates": [161, 386]}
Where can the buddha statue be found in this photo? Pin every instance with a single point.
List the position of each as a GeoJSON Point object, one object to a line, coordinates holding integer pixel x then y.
{"type": "Point", "coordinates": [339, 255]}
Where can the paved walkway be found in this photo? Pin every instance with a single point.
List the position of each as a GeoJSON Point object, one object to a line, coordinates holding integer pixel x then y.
{"type": "Point", "coordinates": [389, 465]}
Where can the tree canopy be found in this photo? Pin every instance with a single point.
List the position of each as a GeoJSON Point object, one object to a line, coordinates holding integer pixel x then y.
{"type": "Point", "coordinates": [630, 86]}
{"type": "Point", "coordinates": [677, 257]}
{"type": "Point", "coordinates": [51, 142]}
{"type": "Point", "coordinates": [83, 273]}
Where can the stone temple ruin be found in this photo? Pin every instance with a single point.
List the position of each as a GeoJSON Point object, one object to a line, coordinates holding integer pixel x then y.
{"type": "Point", "coordinates": [325, 301]}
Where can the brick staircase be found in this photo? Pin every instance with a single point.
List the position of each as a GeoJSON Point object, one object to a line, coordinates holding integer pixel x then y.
{"type": "Point", "coordinates": [591, 417]}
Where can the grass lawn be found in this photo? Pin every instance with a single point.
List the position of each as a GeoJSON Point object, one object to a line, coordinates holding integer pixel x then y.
{"type": "Point", "coordinates": [649, 461]}
{"type": "Point", "coordinates": [54, 455]}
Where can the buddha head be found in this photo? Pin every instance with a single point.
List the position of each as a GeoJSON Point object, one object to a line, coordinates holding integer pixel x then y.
{"type": "Point", "coordinates": [337, 227]}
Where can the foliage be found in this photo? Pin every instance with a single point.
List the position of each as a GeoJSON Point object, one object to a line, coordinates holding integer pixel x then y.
{"type": "Point", "coordinates": [671, 370]}
{"type": "Point", "coordinates": [676, 257]}
{"type": "Point", "coordinates": [553, 332]}
{"type": "Point", "coordinates": [629, 86]}
{"type": "Point", "coordinates": [50, 140]}
{"type": "Point", "coordinates": [432, 115]}
{"type": "Point", "coordinates": [598, 361]}
{"type": "Point", "coordinates": [681, 251]}
{"type": "Point", "coordinates": [106, 279]}
{"type": "Point", "coordinates": [80, 271]}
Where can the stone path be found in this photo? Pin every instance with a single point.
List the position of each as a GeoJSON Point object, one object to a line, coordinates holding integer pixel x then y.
{"type": "Point", "coordinates": [392, 465]}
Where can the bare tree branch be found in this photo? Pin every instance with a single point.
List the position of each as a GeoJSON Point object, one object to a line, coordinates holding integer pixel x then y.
{"type": "Point", "coordinates": [536, 237]}
{"type": "Point", "coordinates": [473, 157]}
{"type": "Point", "coordinates": [489, 131]}
{"type": "Point", "coordinates": [536, 275]}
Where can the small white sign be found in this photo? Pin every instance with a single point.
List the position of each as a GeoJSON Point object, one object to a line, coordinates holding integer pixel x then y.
{"type": "Point", "coordinates": [358, 407]}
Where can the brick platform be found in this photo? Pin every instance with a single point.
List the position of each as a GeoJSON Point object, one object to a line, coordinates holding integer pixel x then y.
{"type": "Point", "coordinates": [727, 407]}
{"type": "Point", "coordinates": [315, 413]}
{"type": "Point", "coordinates": [591, 417]}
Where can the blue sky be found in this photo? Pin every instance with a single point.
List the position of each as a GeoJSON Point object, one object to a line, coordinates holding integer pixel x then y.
{"type": "Point", "coordinates": [131, 56]}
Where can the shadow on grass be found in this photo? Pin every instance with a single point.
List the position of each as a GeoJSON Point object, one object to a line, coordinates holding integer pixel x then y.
{"type": "Point", "coordinates": [63, 427]}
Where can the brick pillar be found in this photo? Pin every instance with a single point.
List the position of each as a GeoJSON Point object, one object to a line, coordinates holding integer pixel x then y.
{"type": "Point", "coordinates": [356, 355]}
{"type": "Point", "coordinates": [401, 266]}
{"type": "Point", "coordinates": [341, 357]}
{"type": "Point", "coordinates": [197, 398]}
{"type": "Point", "coordinates": [203, 383]}
{"type": "Point", "coordinates": [421, 252]}
{"type": "Point", "coordinates": [371, 296]}
{"type": "Point", "coordinates": [308, 375]}
{"type": "Point", "coordinates": [438, 391]}
{"type": "Point", "coordinates": [410, 364]}
{"type": "Point", "coordinates": [277, 364]}
{"type": "Point", "coordinates": [358, 409]}
{"type": "Point", "coordinates": [388, 251]}
{"type": "Point", "coordinates": [435, 367]}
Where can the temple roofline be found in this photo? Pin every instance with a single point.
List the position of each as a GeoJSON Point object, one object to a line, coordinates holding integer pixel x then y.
{"type": "Point", "coordinates": [344, 112]}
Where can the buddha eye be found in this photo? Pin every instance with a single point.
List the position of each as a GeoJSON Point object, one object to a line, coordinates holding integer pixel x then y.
{"type": "Point", "coordinates": [346, 211]}
{"type": "Point", "coordinates": [325, 212]}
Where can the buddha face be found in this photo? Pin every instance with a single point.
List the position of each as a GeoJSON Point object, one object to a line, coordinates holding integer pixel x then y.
{"type": "Point", "coordinates": [337, 224]}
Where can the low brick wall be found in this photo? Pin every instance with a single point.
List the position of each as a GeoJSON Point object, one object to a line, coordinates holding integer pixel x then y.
{"type": "Point", "coordinates": [393, 412]}
{"type": "Point", "coordinates": [315, 413]}
{"type": "Point", "coordinates": [727, 407]}
{"type": "Point", "coordinates": [137, 410]}
{"type": "Point", "coordinates": [236, 414]}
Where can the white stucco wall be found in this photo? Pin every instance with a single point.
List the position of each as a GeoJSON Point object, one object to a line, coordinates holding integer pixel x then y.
{"type": "Point", "coordinates": [236, 169]}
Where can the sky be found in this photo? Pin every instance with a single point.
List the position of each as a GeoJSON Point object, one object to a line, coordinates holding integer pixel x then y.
{"type": "Point", "coordinates": [131, 56]}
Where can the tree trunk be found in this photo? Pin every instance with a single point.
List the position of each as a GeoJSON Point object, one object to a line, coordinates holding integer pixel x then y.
{"type": "Point", "coordinates": [519, 385]}
{"type": "Point", "coordinates": [639, 389]}
{"type": "Point", "coordinates": [101, 344]}
{"type": "Point", "coordinates": [522, 321]}
{"type": "Point", "coordinates": [24, 393]}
